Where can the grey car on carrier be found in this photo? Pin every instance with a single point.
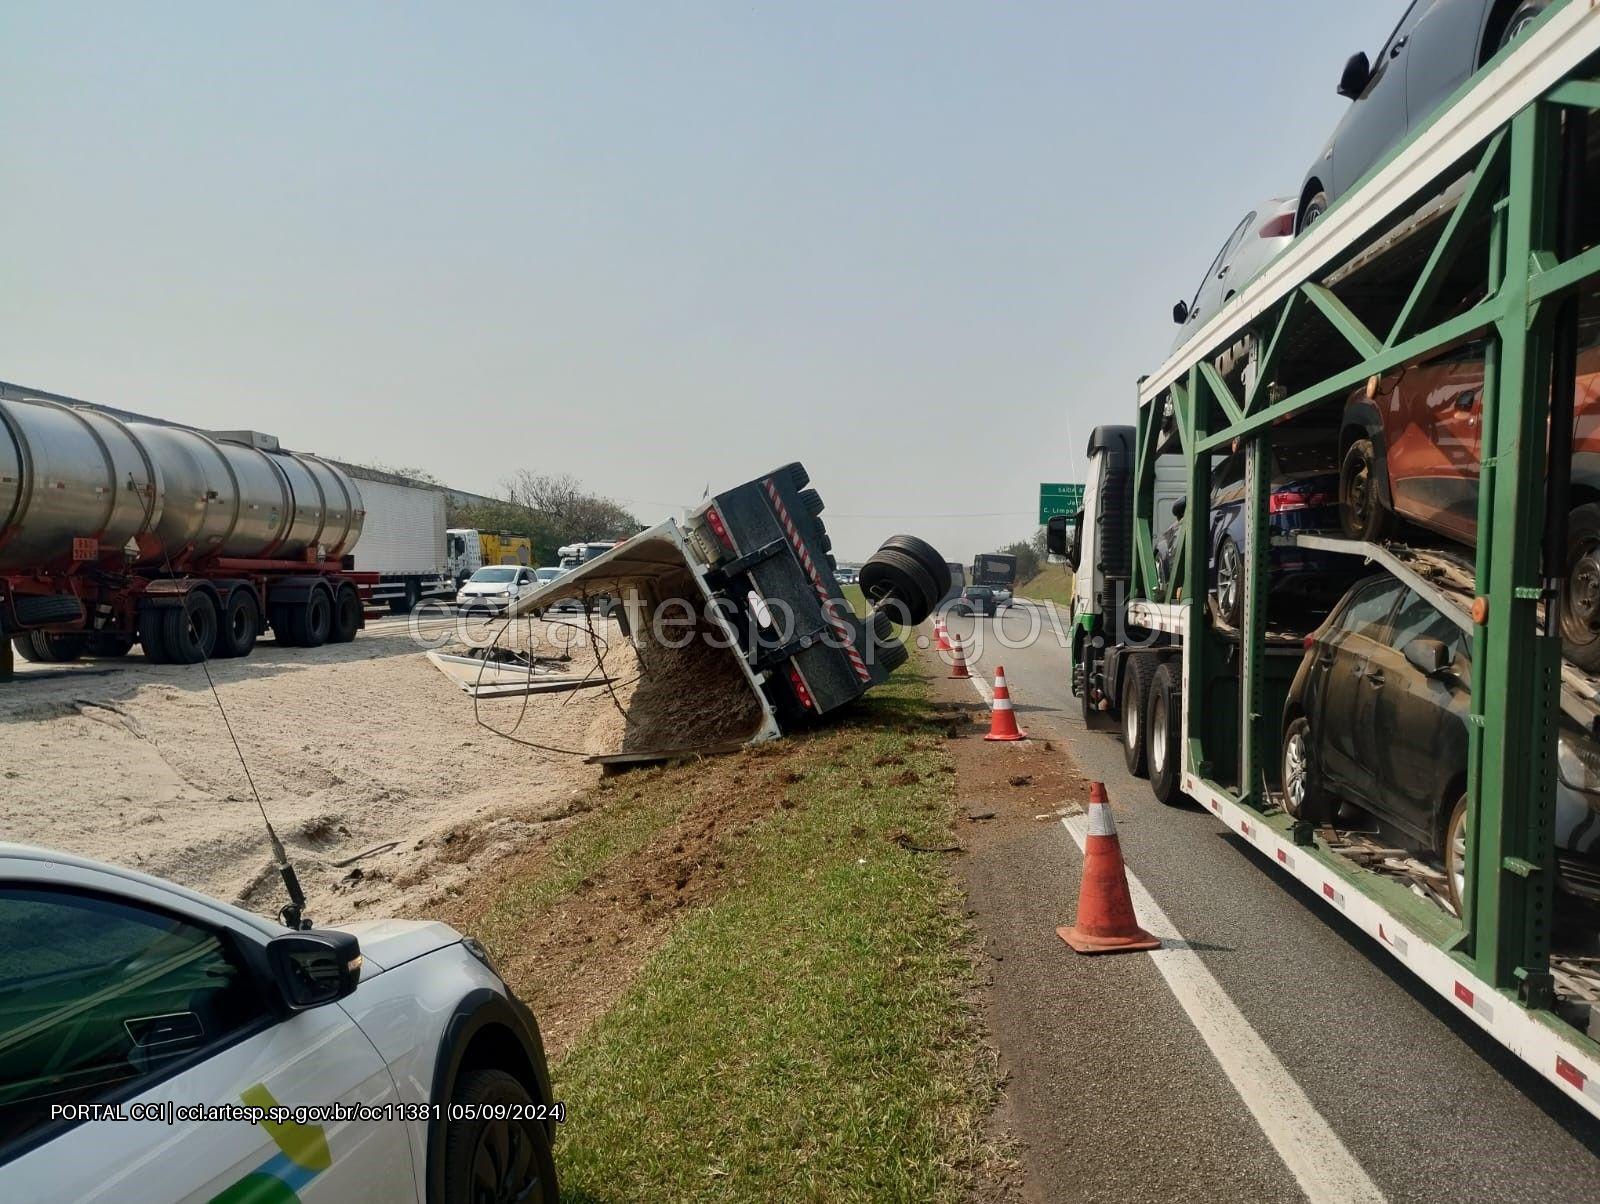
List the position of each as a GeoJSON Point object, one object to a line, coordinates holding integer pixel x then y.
{"type": "Point", "coordinates": [1377, 717]}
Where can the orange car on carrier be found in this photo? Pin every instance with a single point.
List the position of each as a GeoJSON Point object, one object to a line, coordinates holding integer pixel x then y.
{"type": "Point", "coordinates": [1410, 446]}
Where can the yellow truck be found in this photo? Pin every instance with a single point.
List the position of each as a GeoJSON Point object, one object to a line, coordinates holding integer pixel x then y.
{"type": "Point", "coordinates": [469, 550]}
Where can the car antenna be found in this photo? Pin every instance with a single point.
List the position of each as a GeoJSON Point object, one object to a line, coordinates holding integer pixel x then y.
{"type": "Point", "coordinates": [293, 913]}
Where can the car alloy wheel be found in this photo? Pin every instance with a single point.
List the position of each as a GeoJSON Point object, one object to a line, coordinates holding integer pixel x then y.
{"type": "Point", "coordinates": [504, 1167]}
{"type": "Point", "coordinates": [1296, 766]}
{"type": "Point", "coordinates": [1455, 854]}
{"type": "Point", "coordinates": [1581, 614]}
{"type": "Point", "coordinates": [1230, 568]}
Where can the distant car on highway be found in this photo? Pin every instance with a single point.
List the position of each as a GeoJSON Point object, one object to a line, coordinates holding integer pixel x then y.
{"type": "Point", "coordinates": [1255, 242]}
{"type": "Point", "coordinates": [977, 600]}
{"type": "Point", "coordinates": [125, 992]}
{"type": "Point", "coordinates": [495, 586]}
{"type": "Point", "coordinates": [1377, 716]}
{"type": "Point", "coordinates": [547, 574]}
{"type": "Point", "coordinates": [1432, 51]}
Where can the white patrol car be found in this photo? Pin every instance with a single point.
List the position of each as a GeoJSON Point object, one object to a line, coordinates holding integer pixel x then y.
{"type": "Point", "coordinates": [158, 1045]}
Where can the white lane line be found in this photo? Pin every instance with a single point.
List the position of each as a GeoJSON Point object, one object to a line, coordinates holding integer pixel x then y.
{"type": "Point", "coordinates": [1319, 1161]}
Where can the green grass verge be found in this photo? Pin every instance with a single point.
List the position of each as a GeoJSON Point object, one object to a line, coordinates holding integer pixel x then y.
{"type": "Point", "coordinates": [1052, 584]}
{"type": "Point", "coordinates": [808, 1035]}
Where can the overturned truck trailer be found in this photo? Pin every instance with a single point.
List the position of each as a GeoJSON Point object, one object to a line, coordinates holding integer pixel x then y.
{"type": "Point", "coordinates": [736, 613]}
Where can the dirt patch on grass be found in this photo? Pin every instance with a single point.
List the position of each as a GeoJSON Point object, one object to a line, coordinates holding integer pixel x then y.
{"type": "Point", "coordinates": [571, 957]}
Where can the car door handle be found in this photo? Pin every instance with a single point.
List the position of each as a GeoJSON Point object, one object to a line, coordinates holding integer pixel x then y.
{"type": "Point", "coordinates": [1394, 51]}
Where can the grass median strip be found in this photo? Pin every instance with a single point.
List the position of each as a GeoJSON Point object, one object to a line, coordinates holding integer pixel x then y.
{"type": "Point", "coordinates": [799, 1027]}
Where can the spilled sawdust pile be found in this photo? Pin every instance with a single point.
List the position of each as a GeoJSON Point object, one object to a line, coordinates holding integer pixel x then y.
{"type": "Point", "coordinates": [387, 791]}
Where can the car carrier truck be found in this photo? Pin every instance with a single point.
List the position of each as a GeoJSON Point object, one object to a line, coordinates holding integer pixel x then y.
{"type": "Point", "coordinates": [1470, 230]}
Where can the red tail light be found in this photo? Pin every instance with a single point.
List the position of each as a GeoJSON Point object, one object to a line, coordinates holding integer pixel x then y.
{"type": "Point", "coordinates": [1279, 502]}
{"type": "Point", "coordinates": [1281, 226]}
{"type": "Point", "coordinates": [719, 528]}
{"type": "Point", "coordinates": [802, 692]}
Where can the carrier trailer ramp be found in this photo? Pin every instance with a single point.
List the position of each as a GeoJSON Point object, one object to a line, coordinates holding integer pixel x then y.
{"type": "Point", "coordinates": [738, 607]}
{"type": "Point", "coordinates": [1503, 259]}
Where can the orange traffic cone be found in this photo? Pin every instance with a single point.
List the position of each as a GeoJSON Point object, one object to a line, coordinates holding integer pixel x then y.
{"type": "Point", "coordinates": [959, 669]}
{"type": "Point", "coordinates": [941, 635]}
{"type": "Point", "coordinates": [1106, 923]}
{"type": "Point", "coordinates": [1002, 716]}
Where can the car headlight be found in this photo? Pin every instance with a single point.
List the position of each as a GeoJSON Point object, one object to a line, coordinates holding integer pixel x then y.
{"type": "Point", "coordinates": [475, 947]}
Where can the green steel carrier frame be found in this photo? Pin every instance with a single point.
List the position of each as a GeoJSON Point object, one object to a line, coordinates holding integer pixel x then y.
{"type": "Point", "coordinates": [1468, 230]}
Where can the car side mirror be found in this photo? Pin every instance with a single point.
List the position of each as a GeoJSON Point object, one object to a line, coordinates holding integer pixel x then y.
{"type": "Point", "coordinates": [1055, 535]}
{"type": "Point", "coordinates": [1428, 655]}
{"type": "Point", "coordinates": [314, 967]}
{"type": "Point", "coordinates": [1180, 507]}
{"type": "Point", "coordinates": [1357, 75]}
{"type": "Point", "coordinates": [1180, 312]}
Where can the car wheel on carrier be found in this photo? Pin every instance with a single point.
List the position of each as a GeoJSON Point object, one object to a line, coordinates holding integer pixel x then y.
{"type": "Point", "coordinates": [1135, 697]}
{"type": "Point", "coordinates": [1163, 727]}
{"type": "Point", "coordinates": [1314, 208]}
{"type": "Point", "coordinates": [1230, 583]}
{"type": "Point", "coordinates": [1361, 509]}
{"type": "Point", "coordinates": [239, 625]}
{"type": "Point", "coordinates": [346, 615]}
{"type": "Point", "coordinates": [1455, 854]}
{"type": "Point", "coordinates": [1524, 16]}
{"type": "Point", "coordinates": [1580, 603]}
{"type": "Point", "coordinates": [1304, 795]}
{"type": "Point", "coordinates": [496, 1160]}
{"type": "Point", "coordinates": [189, 632]}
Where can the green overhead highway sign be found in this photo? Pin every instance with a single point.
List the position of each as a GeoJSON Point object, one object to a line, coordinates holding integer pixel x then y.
{"type": "Point", "coordinates": [1059, 499]}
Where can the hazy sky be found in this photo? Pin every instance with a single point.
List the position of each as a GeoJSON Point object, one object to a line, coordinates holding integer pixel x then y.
{"type": "Point", "coordinates": [922, 247]}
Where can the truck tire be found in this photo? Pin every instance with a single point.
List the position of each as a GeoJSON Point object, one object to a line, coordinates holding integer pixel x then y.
{"type": "Point", "coordinates": [50, 648]}
{"type": "Point", "coordinates": [798, 476]}
{"type": "Point", "coordinates": [811, 502]}
{"type": "Point", "coordinates": [346, 615]}
{"type": "Point", "coordinates": [1305, 796]}
{"type": "Point", "coordinates": [1135, 698]}
{"type": "Point", "coordinates": [924, 554]}
{"type": "Point", "coordinates": [892, 655]}
{"type": "Point", "coordinates": [305, 622]}
{"type": "Point", "coordinates": [239, 625]}
{"type": "Point", "coordinates": [1164, 736]}
{"type": "Point", "coordinates": [46, 610]}
{"type": "Point", "coordinates": [889, 573]}
{"type": "Point", "coordinates": [152, 636]}
{"type": "Point", "coordinates": [189, 632]}
{"type": "Point", "coordinates": [511, 1155]}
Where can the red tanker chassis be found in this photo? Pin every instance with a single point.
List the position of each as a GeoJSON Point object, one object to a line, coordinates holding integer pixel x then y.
{"type": "Point", "coordinates": [191, 544]}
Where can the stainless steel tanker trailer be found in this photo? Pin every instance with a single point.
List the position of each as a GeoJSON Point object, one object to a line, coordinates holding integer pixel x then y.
{"type": "Point", "coordinates": [115, 532]}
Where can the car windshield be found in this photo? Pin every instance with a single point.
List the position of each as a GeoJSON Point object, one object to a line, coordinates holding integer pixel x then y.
{"type": "Point", "coordinates": [496, 575]}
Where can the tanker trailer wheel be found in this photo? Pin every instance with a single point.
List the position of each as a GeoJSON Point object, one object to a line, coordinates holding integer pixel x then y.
{"type": "Point", "coordinates": [305, 623]}
{"type": "Point", "coordinates": [346, 616]}
{"type": "Point", "coordinates": [50, 648]}
{"type": "Point", "coordinates": [891, 574]}
{"type": "Point", "coordinates": [189, 632]}
{"type": "Point", "coordinates": [152, 635]}
{"type": "Point", "coordinates": [240, 624]}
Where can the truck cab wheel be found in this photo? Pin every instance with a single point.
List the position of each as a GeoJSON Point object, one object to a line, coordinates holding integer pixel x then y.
{"type": "Point", "coordinates": [1163, 734]}
{"type": "Point", "coordinates": [50, 648]}
{"type": "Point", "coordinates": [239, 626]}
{"type": "Point", "coordinates": [1135, 698]}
